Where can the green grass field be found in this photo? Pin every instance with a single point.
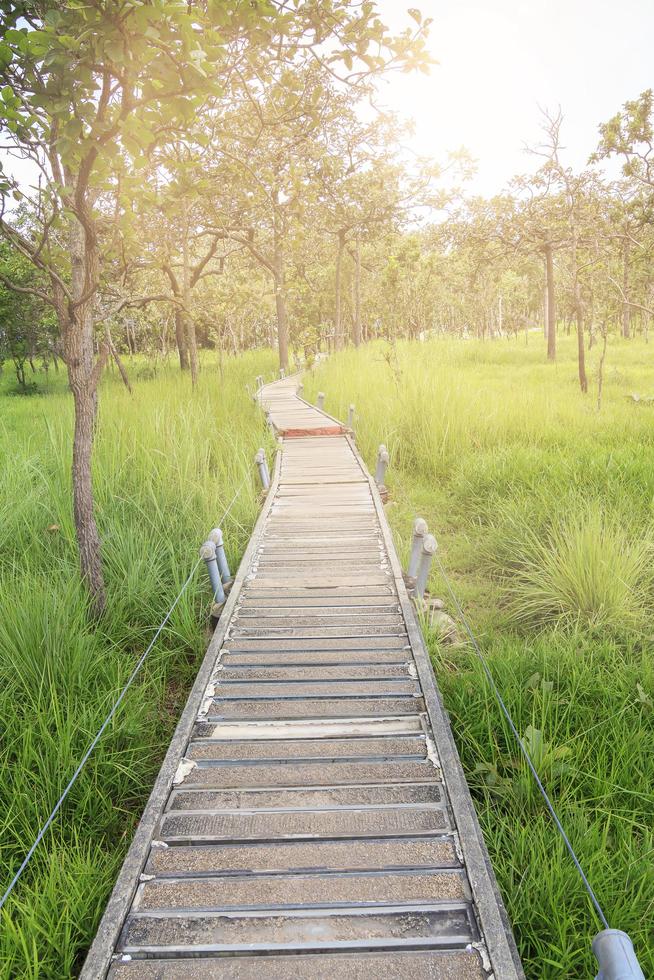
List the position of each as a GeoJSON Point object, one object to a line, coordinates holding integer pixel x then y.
{"type": "Point", "coordinates": [167, 465]}
{"type": "Point", "coordinates": [543, 509]}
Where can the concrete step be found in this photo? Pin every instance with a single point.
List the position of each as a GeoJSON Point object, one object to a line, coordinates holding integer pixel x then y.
{"type": "Point", "coordinates": [349, 562]}
{"type": "Point", "coordinates": [254, 643]}
{"type": "Point", "coordinates": [309, 774]}
{"type": "Point", "coordinates": [293, 891]}
{"type": "Point", "coordinates": [318, 618]}
{"type": "Point", "coordinates": [447, 926]}
{"type": "Point", "coordinates": [317, 578]}
{"type": "Point", "coordinates": [295, 750]}
{"type": "Point", "coordinates": [187, 827]}
{"type": "Point", "coordinates": [306, 545]}
{"type": "Point", "coordinates": [405, 965]}
{"type": "Point", "coordinates": [391, 686]}
{"type": "Point", "coordinates": [315, 708]}
{"type": "Point", "coordinates": [371, 854]}
{"type": "Point", "coordinates": [272, 671]}
{"type": "Point", "coordinates": [358, 603]}
{"type": "Point", "coordinates": [297, 798]}
{"type": "Point", "coordinates": [254, 591]}
{"type": "Point", "coordinates": [301, 658]}
{"type": "Point", "coordinates": [315, 631]}
{"type": "Point", "coordinates": [313, 728]}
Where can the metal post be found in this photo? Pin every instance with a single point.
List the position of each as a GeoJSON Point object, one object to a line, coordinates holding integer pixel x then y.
{"type": "Point", "coordinates": [382, 463]}
{"type": "Point", "coordinates": [427, 552]}
{"type": "Point", "coordinates": [208, 553]}
{"type": "Point", "coordinates": [221, 558]}
{"type": "Point", "coordinates": [350, 417]}
{"type": "Point", "coordinates": [614, 952]}
{"type": "Point", "coordinates": [321, 400]}
{"type": "Point", "coordinates": [419, 532]}
{"type": "Point", "coordinates": [262, 465]}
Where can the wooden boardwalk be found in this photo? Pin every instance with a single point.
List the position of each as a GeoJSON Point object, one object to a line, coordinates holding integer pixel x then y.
{"type": "Point", "coordinates": [311, 818]}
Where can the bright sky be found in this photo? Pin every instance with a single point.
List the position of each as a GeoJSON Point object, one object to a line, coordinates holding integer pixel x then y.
{"type": "Point", "coordinates": [500, 59]}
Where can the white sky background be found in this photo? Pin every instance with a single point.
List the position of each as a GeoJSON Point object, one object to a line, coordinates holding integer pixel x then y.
{"type": "Point", "coordinates": [500, 59]}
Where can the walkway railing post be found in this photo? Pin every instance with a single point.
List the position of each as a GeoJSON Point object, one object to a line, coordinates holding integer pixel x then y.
{"type": "Point", "coordinates": [382, 463]}
{"type": "Point", "coordinates": [320, 402]}
{"type": "Point", "coordinates": [615, 954]}
{"type": "Point", "coordinates": [262, 466]}
{"type": "Point", "coordinates": [427, 552]}
{"type": "Point", "coordinates": [419, 533]}
{"type": "Point", "coordinates": [221, 558]}
{"type": "Point", "coordinates": [282, 374]}
{"type": "Point", "coordinates": [350, 417]}
{"type": "Point", "coordinates": [208, 553]}
{"type": "Point", "coordinates": [300, 389]}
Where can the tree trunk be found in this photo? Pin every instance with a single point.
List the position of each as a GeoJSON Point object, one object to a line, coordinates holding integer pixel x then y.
{"type": "Point", "coordinates": [180, 339]}
{"type": "Point", "coordinates": [280, 300]}
{"type": "Point", "coordinates": [626, 309]}
{"type": "Point", "coordinates": [189, 323]}
{"type": "Point", "coordinates": [581, 351]}
{"type": "Point", "coordinates": [357, 294]}
{"type": "Point", "coordinates": [118, 361]}
{"type": "Point", "coordinates": [600, 370]}
{"type": "Point", "coordinates": [77, 331]}
{"type": "Point", "coordinates": [551, 307]}
{"type": "Point", "coordinates": [88, 538]}
{"type": "Point", "coordinates": [545, 314]}
{"type": "Point", "coordinates": [338, 328]}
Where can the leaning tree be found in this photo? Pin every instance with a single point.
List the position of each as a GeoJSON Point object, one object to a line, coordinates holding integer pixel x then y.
{"type": "Point", "coordinates": [87, 90]}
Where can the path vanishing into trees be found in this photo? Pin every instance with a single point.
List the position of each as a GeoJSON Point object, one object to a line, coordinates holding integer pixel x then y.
{"type": "Point", "coordinates": [312, 801]}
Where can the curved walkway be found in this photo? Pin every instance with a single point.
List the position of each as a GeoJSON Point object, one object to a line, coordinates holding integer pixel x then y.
{"type": "Point", "coordinates": [312, 802]}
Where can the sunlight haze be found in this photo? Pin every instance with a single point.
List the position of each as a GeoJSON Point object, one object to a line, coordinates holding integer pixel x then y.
{"type": "Point", "coordinates": [500, 59]}
{"type": "Point", "coordinates": [326, 489]}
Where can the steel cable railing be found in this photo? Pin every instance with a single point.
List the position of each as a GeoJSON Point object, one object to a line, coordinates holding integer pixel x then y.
{"type": "Point", "coordinates": [612, 947]}
{"type": "Point", "coordinates": [114, 708]}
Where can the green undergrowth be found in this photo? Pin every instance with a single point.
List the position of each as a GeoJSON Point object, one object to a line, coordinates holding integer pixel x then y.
{"type": "Point", "coordinates": [167, 465]}
{"type": "Point", "coordinates": [543, 509]}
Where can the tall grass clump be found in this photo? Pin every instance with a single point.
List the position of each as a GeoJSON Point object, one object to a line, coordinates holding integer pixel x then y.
{"type": "Point", "coordinates": [168, 462]}
{"type": "Point", "coordinates": [585, 572]}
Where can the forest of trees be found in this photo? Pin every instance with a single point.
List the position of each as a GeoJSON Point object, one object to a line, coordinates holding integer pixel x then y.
{"type": "Point", "coordinates": [217, 175]}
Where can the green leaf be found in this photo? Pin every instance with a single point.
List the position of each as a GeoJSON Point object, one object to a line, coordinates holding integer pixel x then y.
{"type": "Point", "coordinates": [115, 51]}
{"type": "Point", "coordinates": [52, 18]}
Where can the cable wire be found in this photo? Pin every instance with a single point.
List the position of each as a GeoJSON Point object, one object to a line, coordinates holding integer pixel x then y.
{"type": "Point", "coordinates": [112, 712]}
{"type": "Point", "coordinates": [525, 753]}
